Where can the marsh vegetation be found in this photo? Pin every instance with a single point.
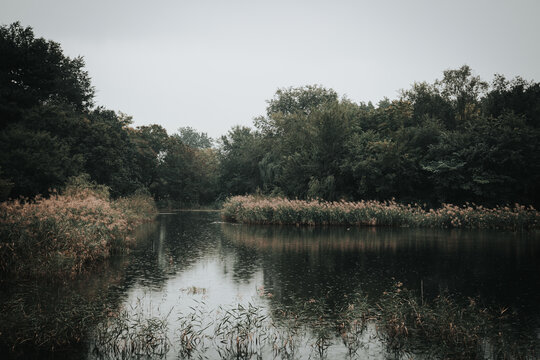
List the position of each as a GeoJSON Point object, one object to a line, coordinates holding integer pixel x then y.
{"type": "Point", "coordinates": [198, 288]}
{"type": "Point", "coordinates": [281, 211]}
{"type": "Point", "coordinates": [64, 233]}
{"type": "Point", "coordinates": [78, 180]}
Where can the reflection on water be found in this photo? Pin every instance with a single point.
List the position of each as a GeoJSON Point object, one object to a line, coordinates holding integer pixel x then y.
{"type": "Point", "coordinates": [500, 267]}
{"type": "Point", "coordinates": [192, 266]}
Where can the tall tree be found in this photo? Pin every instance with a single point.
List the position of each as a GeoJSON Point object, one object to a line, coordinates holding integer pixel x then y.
{"type": "Point", "coordinates": [194, 139]}
{"type": "Point", "coordinates": [240, 154]}
{"type": "Point", "coordinates": [463, 90]}
{"type": "Point", "coordinates": [35, 71]}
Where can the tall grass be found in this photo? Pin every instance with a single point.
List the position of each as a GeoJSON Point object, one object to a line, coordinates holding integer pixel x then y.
{"type": "Point", "coordinates": [402, 322]}
{"type": "Point", "coordinates": [62, 234]}
{"type": "Point", "coordinates": [261, 210]}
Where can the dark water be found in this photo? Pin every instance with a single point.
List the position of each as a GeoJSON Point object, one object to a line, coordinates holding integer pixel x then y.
{"type": "Point", "coordinates": [192, 263]}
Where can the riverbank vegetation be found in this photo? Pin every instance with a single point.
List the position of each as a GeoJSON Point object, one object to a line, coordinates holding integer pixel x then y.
{"type": "Point", "coordinates": [455, 140]}
{"type": "Point", "coordinates": [66, 232]}
{"type": "Point", "coordinates": [399, 324]}
{"type": "Point", "coordinates": [263, 210]}
{"type": "Point", "coordinates": [50, 130]}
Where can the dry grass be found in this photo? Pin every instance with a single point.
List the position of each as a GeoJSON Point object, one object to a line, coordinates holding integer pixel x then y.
{"type": "Point", "coordinates": [62, 234]}
{"type": "Point", "coordinates": [262, 210]}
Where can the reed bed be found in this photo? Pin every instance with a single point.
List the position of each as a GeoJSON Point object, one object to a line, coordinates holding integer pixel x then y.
{"type": "Point", "coordinates": [401, 324]}
{"type": "Point", "coordinates": [128, 335]}
{"type": "Point", "coordinates": [262, 210]}
{"type": "Point", "coordinates": [63, 233]}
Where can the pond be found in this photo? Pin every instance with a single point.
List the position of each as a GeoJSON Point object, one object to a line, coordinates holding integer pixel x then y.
{"type": "Point", "coordinates": [197, 287]}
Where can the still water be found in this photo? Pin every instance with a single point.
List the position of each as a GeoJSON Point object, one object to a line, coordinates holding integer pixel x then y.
{"type": "Point", "coordinates": [194, 283]}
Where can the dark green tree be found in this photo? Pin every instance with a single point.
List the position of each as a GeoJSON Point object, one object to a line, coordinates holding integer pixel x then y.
{"type": "Point", "coordinates": [194, 139]}
{"type": "Point", "coordinates": [36, 161]}
{"type": "Point", "coordinates": [240, 154]}
{"type": "Point", "coordinates": [150, 144]}
{"type": "Point", "coordinates": [34, 71]}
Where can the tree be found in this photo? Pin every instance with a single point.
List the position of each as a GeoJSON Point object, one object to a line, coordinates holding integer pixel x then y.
{"type": "Point", "coordinates": [34, 71]}
{"type": "Point", "coordinates": [240, 154]}
{"type": "Point", "coordinates": [194, 139]}
{"type": "Point", "coordinates": [428, 103]}
{"type": "Point", "coordinates": [494, 161]}
{"type": "Point", "coordinates": [109, 154]}
{"type": "Point", "coordinates": [151, 144]}
{"type": "Point", "coordinates": [304, 99]}
{"type": "Point", "coordinates": [177, 180]}
{"type": "Point", "coordinates": [463, 90]}
{"type": "Point", "coordinates": [36, 161]}
{"type": "Point", "coordinates": [517, 95]}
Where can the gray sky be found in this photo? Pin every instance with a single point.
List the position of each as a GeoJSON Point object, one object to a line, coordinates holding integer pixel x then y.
{"type": "Point", "coordinates": [213, 64]}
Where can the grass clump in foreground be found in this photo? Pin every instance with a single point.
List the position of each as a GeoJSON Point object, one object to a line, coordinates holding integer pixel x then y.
{"type": "Point", "coordinates": [262, 210]}
{"type": "Point", "coordinates": [62, 234]}
{"type": "Point", "coordinates": [404, 324]}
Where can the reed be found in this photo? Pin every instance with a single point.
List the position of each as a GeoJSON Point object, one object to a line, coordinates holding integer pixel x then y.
{"type": "Point", "coordinates": [262, 210]}
{"type": "Point", "coordinates": [441, 328]}
{"type": "Point", "coordinates": [64, 233]}
{"type": "Point", "coordinates": [132, 334]}
{"type": "Point", "coordinates": [402, 321]}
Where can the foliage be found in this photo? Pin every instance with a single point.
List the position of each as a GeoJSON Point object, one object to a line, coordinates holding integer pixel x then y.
{"type": "Point", "coordinates": [194, 139]}
{"type": "Point", "coordinates": [35, 161]}
{"type": "Point", "coordinates": [35, 71]}
{"type": "Point", "coordinates": [64, 233]}
{"type": "Point", "coordinates": [240, 155]}
{"type": "Point", "coordinates": [455, 140]}
{"type": "Point", "coordinates": [260, 210]}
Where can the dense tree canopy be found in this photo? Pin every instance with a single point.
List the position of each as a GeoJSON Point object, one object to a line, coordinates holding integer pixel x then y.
{"type": "Point", "coordinates": [457, 139]}
{"type": "Point", "coordinates": [49, 131]}
{"type": "Point", "coordinates": [34, 71]}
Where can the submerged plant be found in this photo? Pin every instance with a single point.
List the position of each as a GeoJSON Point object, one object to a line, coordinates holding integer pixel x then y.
{"type": "Point", "coordinates": [352, 323]}
{"type": "Point", "coordinates": [405, 325]}
{"type": "Point", "coordinates": [286, 333]}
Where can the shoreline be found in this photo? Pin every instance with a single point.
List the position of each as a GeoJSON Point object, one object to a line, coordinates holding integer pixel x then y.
{"type": "Point", "coordinates": [281, 211]}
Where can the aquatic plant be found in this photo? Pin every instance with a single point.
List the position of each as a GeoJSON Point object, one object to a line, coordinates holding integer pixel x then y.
{"type": "Point", "coordinates": [285, 333]}
{"type": "Point", "coordinates": [130, 333]}
{"type": "Point", "coordinates": [192, 328]}
{"type": "Point", "coordinates": [352, 324]}
{"type": "Point", "coordinates": [403, 323]}
{"type": "Point", "coordinates": [63, 233]}
{"type": "Point", "coordinates": [41, 317]}
{"type": "Point", "coordinates": [263, 210]}
{"type": "Point", "coordinates": [240, 332]}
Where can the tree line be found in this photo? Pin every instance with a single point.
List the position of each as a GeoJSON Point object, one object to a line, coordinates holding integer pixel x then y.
{"type": "Point", "coordinates": [50, 130]}
{"type": "Point", "coordinates": [455, 140]}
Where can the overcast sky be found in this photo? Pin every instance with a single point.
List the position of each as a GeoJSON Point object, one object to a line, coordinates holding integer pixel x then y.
{"type": "Point", "coordinates": [213, 64]}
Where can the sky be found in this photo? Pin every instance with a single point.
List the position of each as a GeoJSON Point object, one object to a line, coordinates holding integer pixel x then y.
{"type": "Point", "coordinates": [213, 64]}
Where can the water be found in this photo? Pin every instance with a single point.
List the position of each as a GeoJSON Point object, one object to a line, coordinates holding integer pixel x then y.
{"type": "Point", "coordinates": [297, 280]}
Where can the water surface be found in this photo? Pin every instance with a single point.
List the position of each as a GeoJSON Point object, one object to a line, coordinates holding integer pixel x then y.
{"type": "Point", "coordinates": [193, 264]}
